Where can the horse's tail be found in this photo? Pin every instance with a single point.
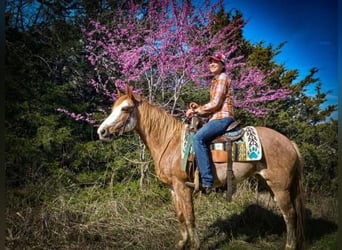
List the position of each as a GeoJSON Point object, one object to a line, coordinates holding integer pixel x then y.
{"type": "Point", "coordinates": [297, 192]}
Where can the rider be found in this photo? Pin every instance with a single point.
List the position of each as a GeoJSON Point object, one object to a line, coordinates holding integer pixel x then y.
{"type": "Point", "coordinates": [220, 111]}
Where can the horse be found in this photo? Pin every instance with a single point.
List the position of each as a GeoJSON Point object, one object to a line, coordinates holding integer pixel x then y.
{"type": "Point", "coordinates": [161, 132]}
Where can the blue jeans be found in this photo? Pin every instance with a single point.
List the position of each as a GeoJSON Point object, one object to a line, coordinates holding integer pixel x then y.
{"type": "Point", "coordinates": [201, 143]}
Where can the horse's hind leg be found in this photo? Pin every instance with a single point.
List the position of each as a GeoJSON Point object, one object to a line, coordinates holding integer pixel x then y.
{"type": "Point", "coordinates": [282, 196]}
{"type": "Point", "coordinates": [283, 200]}
{"type": "Point", "coordinates": [182, 199]}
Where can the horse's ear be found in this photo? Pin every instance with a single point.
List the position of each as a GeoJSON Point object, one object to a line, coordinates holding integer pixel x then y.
{"type": "Point", "coordinates": [118, 92]}
{"type": "Point", "coordinates": [134, 97]}
{"type": "Point", "coordinates": [129, 91]}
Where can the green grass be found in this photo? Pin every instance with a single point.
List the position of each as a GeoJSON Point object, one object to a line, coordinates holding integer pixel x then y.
{"type": "Point", "coordinates": [124, 217]}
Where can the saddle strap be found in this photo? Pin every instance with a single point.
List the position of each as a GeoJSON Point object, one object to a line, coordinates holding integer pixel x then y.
{"type": "Point", "coordinates": [229, 171]}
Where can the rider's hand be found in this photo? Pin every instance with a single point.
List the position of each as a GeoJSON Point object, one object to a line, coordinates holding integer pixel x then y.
{"type": "Point", "coordinates": [189, 112]}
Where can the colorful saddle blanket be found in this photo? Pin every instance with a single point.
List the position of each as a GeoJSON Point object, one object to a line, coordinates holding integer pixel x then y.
{"type": "Point", "coordinates": [247, 148]}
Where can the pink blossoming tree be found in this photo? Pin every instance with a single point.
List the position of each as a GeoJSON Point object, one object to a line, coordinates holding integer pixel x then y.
{"type": "Point", "coordinates": [165, 46]}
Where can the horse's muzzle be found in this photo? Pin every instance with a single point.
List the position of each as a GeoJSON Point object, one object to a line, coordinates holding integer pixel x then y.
{"type": "Point", "coordinates": [104, 135]}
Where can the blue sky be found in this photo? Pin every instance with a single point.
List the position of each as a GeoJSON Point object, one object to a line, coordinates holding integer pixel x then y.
{"type": "Point", "coordinates": [308, 27]}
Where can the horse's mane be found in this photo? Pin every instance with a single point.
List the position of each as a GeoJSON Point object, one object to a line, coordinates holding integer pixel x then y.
{"type": "Point", "coordinates": [157, 120]}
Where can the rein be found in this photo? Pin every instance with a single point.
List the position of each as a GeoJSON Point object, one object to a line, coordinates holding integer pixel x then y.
{"type": "Point", "coordinates": [125, 122]}
{"type": "Point", "coordinates": [129, 112]}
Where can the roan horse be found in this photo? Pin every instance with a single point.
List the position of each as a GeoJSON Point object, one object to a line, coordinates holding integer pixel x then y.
{"type": "Point", "coordinates": [280, 165]}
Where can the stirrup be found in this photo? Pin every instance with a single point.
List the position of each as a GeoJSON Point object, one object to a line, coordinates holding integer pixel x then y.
{"type": "Point", "coordinates": [196, 184]}
{"type": "Point", "coordinates": [190, 184]}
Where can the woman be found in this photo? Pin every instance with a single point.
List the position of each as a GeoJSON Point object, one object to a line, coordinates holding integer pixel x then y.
{"type": "Point", "coordinates": [220, 111]}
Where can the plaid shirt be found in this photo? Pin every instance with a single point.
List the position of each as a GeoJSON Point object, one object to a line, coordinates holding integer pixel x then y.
{"type": "Point", "coordinates": [220, 104]}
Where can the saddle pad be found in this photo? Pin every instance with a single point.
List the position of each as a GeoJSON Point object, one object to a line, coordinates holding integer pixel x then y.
{"type": "Point", "coordinates": [186, 148]}
{"type": "Point", "coordinates": [253, 145]}
{"type": "Point", "coordinates": [248, 148]}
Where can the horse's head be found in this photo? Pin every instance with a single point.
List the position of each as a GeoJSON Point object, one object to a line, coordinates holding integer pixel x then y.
{"type": "Point", "coordinates": [122, 118]}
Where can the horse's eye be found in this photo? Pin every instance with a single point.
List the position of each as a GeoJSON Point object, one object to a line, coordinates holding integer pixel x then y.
{"type": "Point", "coordinates": [126, 109]}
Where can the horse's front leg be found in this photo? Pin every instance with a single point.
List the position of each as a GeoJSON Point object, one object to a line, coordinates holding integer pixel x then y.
{"type": "Point", "coordinates": [182, 198]}
{"type": "Point", "coordinates": [182, 226]}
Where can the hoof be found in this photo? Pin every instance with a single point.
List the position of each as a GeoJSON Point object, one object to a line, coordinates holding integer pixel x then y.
{"type": "Point", "coordinates": [180, 245]}
{"type": "Point", "coordinates": [290, 247]}
{"type": "Point", "coordinates": [195, 245]}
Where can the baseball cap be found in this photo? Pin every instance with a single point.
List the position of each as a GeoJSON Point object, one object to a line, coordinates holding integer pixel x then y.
{"type": "Point", "coordinates": [218, 56]}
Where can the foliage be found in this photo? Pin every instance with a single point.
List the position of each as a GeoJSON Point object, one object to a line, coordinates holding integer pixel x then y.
{"type": "Point", "coordinates": [165, 46]}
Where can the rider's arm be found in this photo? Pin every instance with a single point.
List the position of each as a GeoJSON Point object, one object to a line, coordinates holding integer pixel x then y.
{"type": "Point", "coordinates": [217, 97]}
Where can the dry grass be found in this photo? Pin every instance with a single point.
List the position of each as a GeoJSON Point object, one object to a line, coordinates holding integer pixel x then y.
{"type": "Point", "coordinates": [93, 219]}
{"type": "Point", "coordinates": [125, 218]}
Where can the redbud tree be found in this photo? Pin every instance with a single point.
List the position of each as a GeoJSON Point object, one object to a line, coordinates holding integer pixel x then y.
{"type": "Point", "coordinates": [164, 45]}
